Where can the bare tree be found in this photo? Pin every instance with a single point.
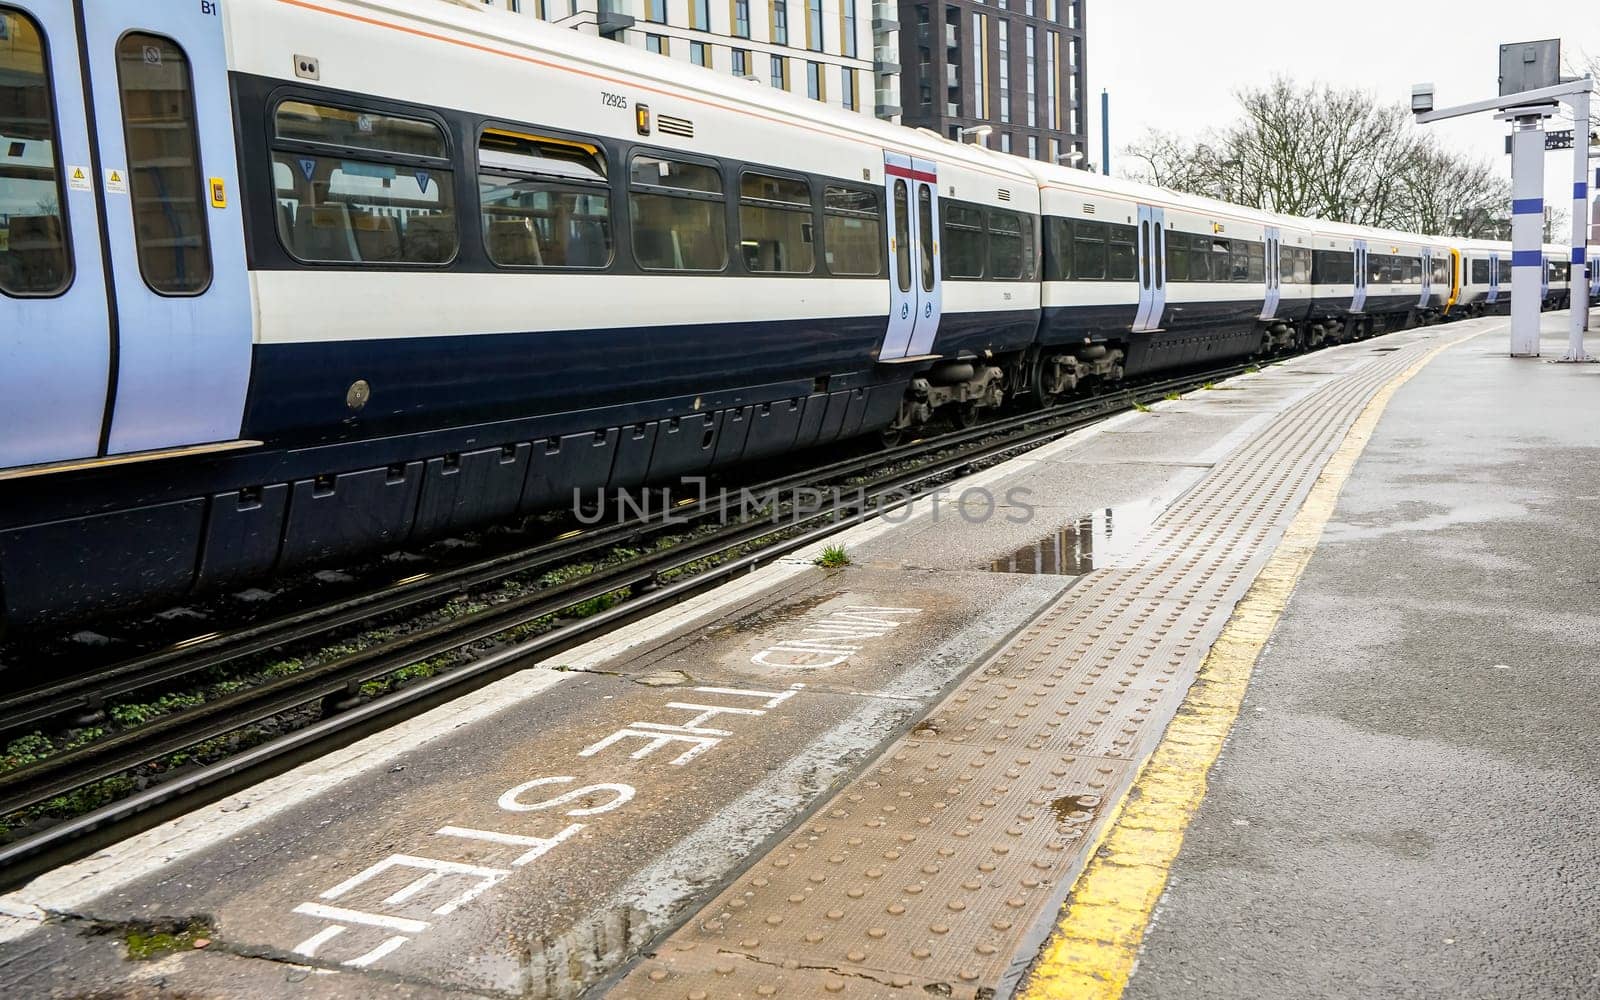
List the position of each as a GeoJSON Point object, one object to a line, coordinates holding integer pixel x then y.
{"type": "Point", "coordinates": [1330, 153]}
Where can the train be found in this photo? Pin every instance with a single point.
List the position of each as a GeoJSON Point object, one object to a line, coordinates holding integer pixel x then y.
{"type": "Point", "coordinates": [288, 282]}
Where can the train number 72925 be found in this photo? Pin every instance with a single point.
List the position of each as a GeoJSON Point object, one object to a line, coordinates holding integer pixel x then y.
{"type": "Point", "coordinates": [613, 100]}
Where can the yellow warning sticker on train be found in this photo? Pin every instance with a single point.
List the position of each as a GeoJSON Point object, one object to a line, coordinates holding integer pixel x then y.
{"type": "Point", "coordinates": [116, 181]}
{"type": "Point", "coordinates": [219, 193]}
{"type": "Point", "coordinates": [78, 179]}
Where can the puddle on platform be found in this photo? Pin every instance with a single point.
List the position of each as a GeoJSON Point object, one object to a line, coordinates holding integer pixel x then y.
{"type": "Point", "coordinates": [1085, 545]}
{"type": "Point", "coordinates": [1075, 808]}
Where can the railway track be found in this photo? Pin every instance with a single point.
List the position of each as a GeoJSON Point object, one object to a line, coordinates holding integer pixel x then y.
{"type": "Point", "coordinates": [321, 707]}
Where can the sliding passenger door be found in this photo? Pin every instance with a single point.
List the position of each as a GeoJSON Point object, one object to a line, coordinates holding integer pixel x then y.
{"type": "Point", "coordinates": [916, 287]}
{"type": "Point", "coordinates": [168, 177]}
{"type": "Point", "coordinates": [1274, 274]}
{"type": "Point", "coordinates": [1358, 301]}
{"type": "Point", "coordinates": [1152, 239]}
{"type": "Point", "coordinates": [55, 333]}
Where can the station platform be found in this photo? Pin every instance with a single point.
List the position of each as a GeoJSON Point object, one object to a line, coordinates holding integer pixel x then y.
{"type": "Point", "coordinates": [992, 756]}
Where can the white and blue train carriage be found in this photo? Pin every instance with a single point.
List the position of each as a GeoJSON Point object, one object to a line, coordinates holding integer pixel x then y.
{"type": "Point", "coordinates": [1485, 278]}
{"type": "Point", "coordinates": [288, 281]}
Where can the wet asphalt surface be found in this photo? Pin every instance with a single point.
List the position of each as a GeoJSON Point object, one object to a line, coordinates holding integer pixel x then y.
{"type": "Point", "coordinates": [1408, 805]}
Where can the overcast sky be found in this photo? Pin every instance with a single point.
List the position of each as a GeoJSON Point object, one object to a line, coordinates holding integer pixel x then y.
{"type": "Point", "coordinates": [1175, 64]}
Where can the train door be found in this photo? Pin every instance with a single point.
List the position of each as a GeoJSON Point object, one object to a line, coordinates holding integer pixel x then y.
{"type": "Point", "coordinates": [1427, 279]}
{"type": "Point", "coordinates": [1358, 301]}
{"type": "Point", "coordinates": [55, 332]}
{"type": "Point", "coordinates": [1152, 269]}
{"type": "Point", "coordinates": [163, 115]}
{"type": "Point", "coordinates": [1274, 296]}
{"type": "Point", "coordinates": [916, 286]}
{"type": "Point", "coordinates": [1494, 278]}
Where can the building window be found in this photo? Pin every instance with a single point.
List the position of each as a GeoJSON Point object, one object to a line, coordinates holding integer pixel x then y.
{"type": "Point", "coordinates": [780, 21]}
{"type": "Point", "coordinates": [848, 89]}
{"type": "Point", "coordinates": [1050, 11]}
{"type": "Point", "coordinates": [814, 86]}
{"type": "Point", "coordinates": [657, 44]}
{"type": "Point", "coordinates": [1005, 142]}
{"type": "Point", "coordinates": [741, 18]}
{"type": "Point", "coordinates": [1072, 13]}
{"type": "Point", "coordinates": [1031, 69]}
{"type": "Point", "coordinates": [700, 15]}
{"type": "Point", "coordinates": [1052, 62]}
{"type": "Point", "coordinates": [847, 18]}
{"type": "Point", "coordinates": [741, 62]}
{"type": "Point", "coordinates": [1004, 28]}
{"type": "Point", "coordinates": [814, 25]}
{"type": "Point", "coordinates": [780, 72]}
{"type": "Point", "coordinates": [1055, 150]}
{"type": "Point", "coordinates": [1033, 147]}
{"type": "Point", "coordinates": [655, 10]}
{"type": "Point", "coordinates": [1027, 7]}
{"type": "Point", "coordinates": [980, 66]}
{"type": "Point", "coordinates": [700, 53]}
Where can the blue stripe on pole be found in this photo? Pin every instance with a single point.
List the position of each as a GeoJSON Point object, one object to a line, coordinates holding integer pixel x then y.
{"type": "Point", "coordinates": [1580, 191]}
{"type": "Point", "coordinates": [1527, 258]}
{"type": "Point", "coordinates": [1527, 206]}
{"type": "Point", "coordinates": [1579, 255]}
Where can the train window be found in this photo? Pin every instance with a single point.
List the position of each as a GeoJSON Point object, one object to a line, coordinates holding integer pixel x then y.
{"type": "Point", "coordinates": [1221, 259]}
{"type": "Point", "coordinates": [1333, 267]}
{"type": "Point", "coordinates": [1200, 260]}
{"type": "Point", "coordinates": [964, 249]}
{"type": "Point", "coordinates": [1057, 249]}
{"type": "Point", "coordinates": [925, 229]}
{"type": "Point", "coordinates": [1302, 265]}
{"type": "Point", "coordinates": [1443, 271]}
{"type": "Point", "coordinates": [1177, 256]}
{"type": "Point", "coordinates": [775, 224]}
{"type": "Point", "coordinates": [34, 259]}
{"type": "Point", "coordinates": [902, 236]}
{"type": "Point", "coordinates": [299, 121]}
{"type": "Point", "coordinates": [1123, 262]}
{"type": "Point", "coordinates": [387, 199]}
{"type": "Point", "coordinates": [1504, 269]}
{"type": "Point", "coordinates": [164, 182]}
{"type": "Point", "coordinates": [1088, 250]}
{"type": "Point", "coordinates": [852, 231]}
{"type": "Point", "coordinates": [1007, 253]}
{"type": "Point", "coordinates": [1256, 262]}
{"type": "Point", "coordinates": [1413, 270]}
{"type": "Point", "coordinates": [679, 217]}
{"type": "Point", "coordinates": [1286, 265]}
{"type": "Point", "coordinates": [545, 202]}
{"type": "Point", "coordinates": [1480, 271]}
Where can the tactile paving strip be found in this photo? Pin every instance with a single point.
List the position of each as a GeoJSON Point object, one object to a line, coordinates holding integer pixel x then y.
{"type": "Point", "coordinates": [941, 869]}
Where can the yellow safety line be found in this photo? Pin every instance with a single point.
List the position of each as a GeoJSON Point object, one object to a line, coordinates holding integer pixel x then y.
{"type": "Point", "coordinates": [1096, 943]}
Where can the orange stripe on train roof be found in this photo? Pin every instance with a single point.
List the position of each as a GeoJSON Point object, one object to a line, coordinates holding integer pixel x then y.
{"type": "Point", "coordinates": [520, 57]}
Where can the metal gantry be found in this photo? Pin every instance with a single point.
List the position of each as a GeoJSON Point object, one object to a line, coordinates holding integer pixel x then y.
{"type": "Point", "coordinates": [1527, 111]}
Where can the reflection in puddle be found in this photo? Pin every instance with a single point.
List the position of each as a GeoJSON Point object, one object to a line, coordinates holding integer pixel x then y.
{"type": "Point", "coordinates": [1075, 808]}
{"type": "Point", "coordinates": [1087, 544]}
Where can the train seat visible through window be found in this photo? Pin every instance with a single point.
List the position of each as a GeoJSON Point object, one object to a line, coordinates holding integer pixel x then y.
{"type": "Point", "coordinates": [377, 237]}
{"type": "Point", "coordinates": [323, 232]}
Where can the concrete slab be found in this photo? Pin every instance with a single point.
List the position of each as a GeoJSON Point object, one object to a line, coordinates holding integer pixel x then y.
{"type": "Point", "coordinates": [1406, 806]}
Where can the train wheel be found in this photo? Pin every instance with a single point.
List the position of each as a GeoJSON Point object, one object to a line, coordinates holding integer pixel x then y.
{"type": "Point", "coordinates": [967, 414]}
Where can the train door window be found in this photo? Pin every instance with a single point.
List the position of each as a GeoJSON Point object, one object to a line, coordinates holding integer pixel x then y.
{"type": "Point", "coordinates": [1123, 263]}
{"type": "Point", "coordinates": [1057, 249]}
{"type": "Point", "coordinates": [545, 202]}
{"type": "Point", "coordinates": [964, 249]}
{"type": "Point", "coordinates": [852, 231]}
{"type": "Point", "coordinates": [34, 257]}
{"type": "Point", "coordinates": [776, 228]}
{"type": "Point", "coordinates": [902, 236]}
{"type": "Point", "coordinates": [165, 184]}
{"type": "Point", "coordinates": [1007, 249]}
{"type": "Point", "coordinates": [678, 213]}
{"type": "Point", "coordinates": [925, 231]}
{"type": "Point", "coordinates": [1088, 250]}
{"type": "Point", "coordinates": [1256, 262]}
{"type": "Point", "coordinates": [360, 187]}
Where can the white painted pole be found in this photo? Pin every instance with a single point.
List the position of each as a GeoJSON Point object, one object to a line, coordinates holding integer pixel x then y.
{"type": "Point", "coordinates": [1580, 228]}
{"type": "Point", "coordinates": [1527, 234]}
